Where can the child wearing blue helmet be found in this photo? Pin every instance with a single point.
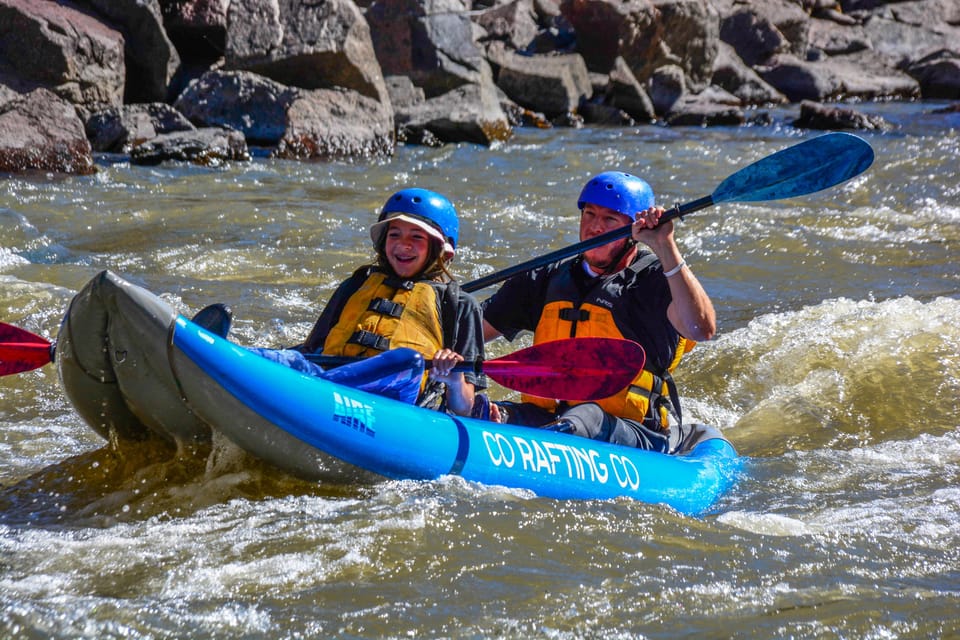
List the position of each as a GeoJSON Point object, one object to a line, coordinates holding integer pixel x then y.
{"type": "Point", "coordinates": [401, 309]}
{"type": "Point", "coordinates": [616, 290]}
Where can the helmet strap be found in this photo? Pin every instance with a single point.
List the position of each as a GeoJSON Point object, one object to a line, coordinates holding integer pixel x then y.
{"type": "Point", "coordinates": [613, 266]}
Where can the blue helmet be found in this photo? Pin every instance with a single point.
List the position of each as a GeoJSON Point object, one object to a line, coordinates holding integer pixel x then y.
{"type": "Point", "coordinates": [427, 209]}
{"type": "Point", "coordinates": [622, 192]}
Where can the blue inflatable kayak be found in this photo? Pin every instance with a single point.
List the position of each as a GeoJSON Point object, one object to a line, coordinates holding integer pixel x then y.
{"type": "Point", "coordinates": [133, 368]}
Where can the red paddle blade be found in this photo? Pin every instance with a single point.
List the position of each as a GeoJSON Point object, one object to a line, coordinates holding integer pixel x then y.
{"type": "Point", "coordinates": [572, 369]}
{"type": "Point", "coordinates": [21, 350]}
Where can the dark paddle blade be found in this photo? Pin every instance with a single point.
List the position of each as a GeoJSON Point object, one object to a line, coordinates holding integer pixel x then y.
{"type": "Point", "coordinates": [572, 369]}
{"type": "Point", "coordinates": [21, 350]}
{"type": "Point", "coordinates": [804, 168]}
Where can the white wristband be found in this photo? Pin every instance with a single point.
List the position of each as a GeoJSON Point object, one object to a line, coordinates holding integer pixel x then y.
{"type": "Point", "coordinates": [676, 269]}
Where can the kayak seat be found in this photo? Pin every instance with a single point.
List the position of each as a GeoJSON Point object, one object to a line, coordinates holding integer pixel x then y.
{"type": "Point", "coordinates": [215, 318]}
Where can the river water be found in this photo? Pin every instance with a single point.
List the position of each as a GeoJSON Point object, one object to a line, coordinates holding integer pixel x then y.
{"type": "Point", "coordinates": [835, 371]}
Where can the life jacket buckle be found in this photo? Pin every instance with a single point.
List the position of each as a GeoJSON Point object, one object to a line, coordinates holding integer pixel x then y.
{"type": "Point", "coordinates": [386, 307]}
{"type": "Point", "coordinates": [574, 315]}
{"type": "Point", "coordinates": [370, 340]}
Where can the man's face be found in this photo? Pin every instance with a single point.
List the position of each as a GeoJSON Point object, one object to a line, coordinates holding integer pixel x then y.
{"type": "Point", "coordinates": [594, 221]}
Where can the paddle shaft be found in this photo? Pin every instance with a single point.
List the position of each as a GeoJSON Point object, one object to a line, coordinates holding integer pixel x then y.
{"type": "Point", "coordinates": [475, 366]}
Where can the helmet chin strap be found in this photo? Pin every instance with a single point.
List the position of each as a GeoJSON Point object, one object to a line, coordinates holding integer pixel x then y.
{"type": "Point", "coordinates": [611, 267]}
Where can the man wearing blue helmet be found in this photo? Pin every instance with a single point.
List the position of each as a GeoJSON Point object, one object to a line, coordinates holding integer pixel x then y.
{"type": "Point", "coordinates": [402, 308]}
{"type": "Point", "coordinates": [616, 290]}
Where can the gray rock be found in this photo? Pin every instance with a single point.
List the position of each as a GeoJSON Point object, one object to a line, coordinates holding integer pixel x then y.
{"type": "Point", "coordinates": [151, 59]}
{"type": "Point", "coordinates": [691, 38]}
{"type": "Point", "coordinates": [210, 146]}
{"type": "Point", "coordinates": [117, 130]}
{"type": "Point", "coordinates": [625, 93]}
{"type": "Point", "coordinates": [711, 107]}
{"type": "Point", "coordinates": [607, 30]}
{"type": "Point", "coordinates": [667, 86]}
{"type": "Point", "coordinates": [308, 45]}
{"type": "Point", "coordinates": [336, 123]}
{"type": "Point", "coordinates": [817, 116]}
{"type": "Point", "coordinates": [403, 93]}
{"type": "Point", "coordinates": [902, 44]}
{"type": "Point", "coordinates": [552, 84]}
{"type": "Point", "coordinates": [300, 123]}
{"type": "Point", "coordinates": [938, 75]}
{"type": "Point", "coordinates": [41, 131]}
{"type": "Point", "coordinates": [469, 113]}
{"type": "Point", "coordinates": [241, 100]}
{"type": "Point", "coordinates": [647, 35]}
{"type": "Point", "coordinates": [754, 37]}
{"type": "Point", "coordinates": [733, 75]}
{"type": "Point", "coordinates": [53, 45]}
{"type": "Point", "coordinates": [515, 23]}
{"type": "Point", "coordinates": [837, 78]}
{"type": "Point", "coordinates": [432, 43]}
{"type": "Point", "coordinates": [834, 39]}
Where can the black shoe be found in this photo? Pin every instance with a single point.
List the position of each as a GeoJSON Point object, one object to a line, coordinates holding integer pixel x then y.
{"type": "Point", "coordinates": [215, 318]}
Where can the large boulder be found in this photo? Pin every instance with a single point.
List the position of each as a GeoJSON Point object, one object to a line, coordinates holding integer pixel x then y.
{"type": "Point", "coordinates": [647, 35]}
{"type": "Point", "coordinates": [210, 146]}
{"type": "Point", "coordinates": [198, 28]}
{"type": "Point", "coordinates": [624, 92]}
{"type": "Point", "coordinates": [254, 105]}
{"type": "Point", "coordinates": [151, 59]}
{"type": "Point", "coordinates": [710, 107]}
{"type": "Point", "coordinates": [552, 84]}
{"type": "Point", "coordinates": [938, 75]}
{"type": "Point", "coordinates": [606, 30]}
{"type": "Point", "coordinates": [117, 130]}
{"type": "Point", "coordinates": [42, 131]}
{"type": "Point", "coordinates": [814, 115]}
{"type": "Point", "coordinates": [837, 78]}
{"type": "Point", "coordinates": [786, 18]}
{"type": "Point", "coordinates": [434, 43]}
{"type": "Point", "coordinates": [336, 123]}
{"type": "Point", "coordinates": [903, 43]}
{"type": "Point", "coordinates": [753, 37]}
{"type": "Point", "coordinates": [836, 40]}
{"type": "Point", "coordinates": [299, 123]}
{"type": "Point", "coordinates": [733, 75]}
{"type": "Point", "coordinates": [449, 95]}
{"type": "Point", "coordinates": [311, 45]}
{"type": "Point", "coordinates": [56, 46]}
{"type": "Point", "coordinates": [514, 23]}
{"type": "Point", "coordinates": [691, 39]}
{"type": "Point", "coordinates": [468, 113]}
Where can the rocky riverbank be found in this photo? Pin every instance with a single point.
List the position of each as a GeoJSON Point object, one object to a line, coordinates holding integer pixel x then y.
{"type": "Point", "coordinates": [209, 80]}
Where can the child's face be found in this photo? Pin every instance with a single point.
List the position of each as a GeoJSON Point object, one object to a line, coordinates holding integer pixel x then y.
{"type": "Point", "coordinates": [407, 247]}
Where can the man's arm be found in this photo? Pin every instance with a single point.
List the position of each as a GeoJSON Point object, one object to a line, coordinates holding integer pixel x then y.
{"type": "Point", "coordinates": [691, 311]}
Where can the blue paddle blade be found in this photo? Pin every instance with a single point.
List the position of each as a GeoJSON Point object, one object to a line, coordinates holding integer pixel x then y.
{"type": "Point", "coordinates": [807, 167]}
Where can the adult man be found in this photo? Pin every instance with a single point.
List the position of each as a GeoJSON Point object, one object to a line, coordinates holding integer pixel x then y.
{"type": "Point", "coordinates": [615, 290]}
